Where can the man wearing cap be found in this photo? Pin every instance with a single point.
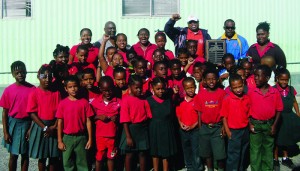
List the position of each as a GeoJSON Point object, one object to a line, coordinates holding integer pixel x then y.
{"type": "Point", "coordinates": [110, 30]}
{"type": "Point", "coordinates": [192, 32]}
{"type": "Point", "coordinates": [235, 44]}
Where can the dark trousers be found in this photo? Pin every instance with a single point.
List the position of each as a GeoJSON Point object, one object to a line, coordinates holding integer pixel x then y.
{"type": "Point", "coordinates": [237, 148]}
{"type": "Point", "coordinates": [190, 146]}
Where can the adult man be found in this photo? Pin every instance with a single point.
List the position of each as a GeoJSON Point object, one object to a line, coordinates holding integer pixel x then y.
{"type": "Point", "coordinates": [110, 30]}
{"type": "Point", "coordinates": [235, 44]}
{"type": "Point", "coordinates": [192, 32]}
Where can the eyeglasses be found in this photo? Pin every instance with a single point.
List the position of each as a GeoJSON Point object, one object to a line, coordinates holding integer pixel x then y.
{"type": "Point", "coordinates": [228, 28]}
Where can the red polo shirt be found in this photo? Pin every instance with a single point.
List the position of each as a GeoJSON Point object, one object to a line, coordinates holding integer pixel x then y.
{"type": "Point", "coordinates": [140, 52]}
{"type": "Point", "coordinates": [134, 109]}
{"type": "Point", "coordinates": [197, 59]}
{"type": "Point", "coordinates": [287, 90]}
{"type": "Point", "coordinates": [264, 107]}
{"type": "Point", "coordinates": [123, 55]}
{"type": "Point", "coordinates": [74, 114]}
{"type": "Point", "coordinates": [76, 66]}
{"type": "Point", "coordinates": [209, 104]}
{"type": "Point", "coordinates": [186, 113]}
{"type": "Point", "coordinates": [235, 110]}
{"type": "Point", "coordinates": [92, 56]}
{"type": "Point", "coordinates": [251, 82]}
{"type": "Point", "coordinates": [112, 108]}
{"type": "Point", "coordinates": [149, 56]}
{"type": "Point", "coordinates": [198, 37]}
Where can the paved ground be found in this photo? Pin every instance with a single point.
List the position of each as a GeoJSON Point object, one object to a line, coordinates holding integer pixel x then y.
{"type": "Point", "coordinates": [4, 156]}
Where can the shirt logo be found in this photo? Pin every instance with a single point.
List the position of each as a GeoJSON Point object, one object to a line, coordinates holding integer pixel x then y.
{"type": "Point", "coordinates": [211, 104]}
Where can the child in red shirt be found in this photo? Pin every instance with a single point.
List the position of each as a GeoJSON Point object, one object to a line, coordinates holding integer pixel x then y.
{"type": "Point", "coordinates": [265, 108]}
{"type": "Point", "coordinates": [107, 108]}
{"type": "Point", "coordinates": [191, 47]}
{"type": "Point", "coordinates": [134, 114]}
{"type": "Point", "coordinates": [61, 54]}
{"type": "Point", "coordinates": [247, 65]}
{"type": "Point", "coordinates": [208, 103]}
{"type": "Point", "coordinates": [189, 130]}
{"type": "Point", "coordinates": [140, 68]}
{"type": "Point", "coordinates": [74, 129]}
{"type": "Point", "coordinates": [234, 111]}
{"type": "Point", "coordinates": [15, 119]}
{"type": "Point", "coordinates": [88, 83]}
{"type": "Point", "coordinates": [42, 106]}
{"type": "Point", "coordinates": [81, 54]}
{"type": "Point", "coordinates": [177, 76]}
{"type": "Point", "coordinates": [120, 82]}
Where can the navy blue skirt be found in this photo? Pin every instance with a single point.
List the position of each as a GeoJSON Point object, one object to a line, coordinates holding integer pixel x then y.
{"type": "Point", "coordinates": [17, 129]}
{"type": "Point", "coordinates": [41, 147]}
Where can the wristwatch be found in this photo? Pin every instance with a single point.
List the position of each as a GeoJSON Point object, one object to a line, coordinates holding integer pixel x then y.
{"type": "Point", "coordinates": [45, 128]}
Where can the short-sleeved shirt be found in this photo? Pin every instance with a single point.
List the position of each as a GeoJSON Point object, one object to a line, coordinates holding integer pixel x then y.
{"type": "Point", "coordinates": [190, 70]}
{"type": "Point", "coordinates": [74, 114]}
{"type": "Point", "coordinates": [134, 110]}
{"type": "Point", "coordinates": [235, 110]}
{"type": "Point", "coordinates": [178, 83]}
{"type": "Point", "coordinates": [109, 109]}
{"type": "Point", "coordinates": [198, 36]}
{"type": "Point", "coordinates": [209, 104]}
{"type": "Point", "coordinates": [92, 56]}
{"type": "Point", "coordinates": [186, 113]}
{"type": "Point", "coordinates": [251, 82]}
{"type": "Point", "coordinates": [169, 54]}
{"type": "Point", "coordinates": [264, 106]}
{"type": "Point", "coordinates": [15, 99]}
{"type": "Point", "coordinates": [44, 103]}
{"type": "Point", "coordinates": [140, 52]}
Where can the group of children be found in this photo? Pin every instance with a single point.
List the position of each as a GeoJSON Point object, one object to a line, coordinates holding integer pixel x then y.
{"type": "Point", "coordinates": [94, 105]}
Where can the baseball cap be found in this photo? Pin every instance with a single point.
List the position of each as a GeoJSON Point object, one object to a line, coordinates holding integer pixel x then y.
{"type": "Point", "coordinates": [192, 18]}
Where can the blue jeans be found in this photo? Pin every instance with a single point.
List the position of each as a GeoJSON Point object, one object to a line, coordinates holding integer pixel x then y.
{"type": "Point", "coordinates": [190, 146]}
{"type": "Point", "coordinates": [237, 148]}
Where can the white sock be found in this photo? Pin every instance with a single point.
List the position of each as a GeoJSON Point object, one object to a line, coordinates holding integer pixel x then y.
{"type": "Point", "coordinates": [284, 158]}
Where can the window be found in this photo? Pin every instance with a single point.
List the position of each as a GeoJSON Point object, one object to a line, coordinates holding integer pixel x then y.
{"type": "Point", "coordinates": [16, 8]}
{"type": "Point", "coordinates": [150, 7]}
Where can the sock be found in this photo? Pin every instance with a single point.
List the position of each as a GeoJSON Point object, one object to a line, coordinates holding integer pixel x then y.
{"type": "Point", "coordinates": [284, 158]}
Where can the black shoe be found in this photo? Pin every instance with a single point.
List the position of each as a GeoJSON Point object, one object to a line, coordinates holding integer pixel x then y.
{"type": "Point", "coordinates": [288, 163]}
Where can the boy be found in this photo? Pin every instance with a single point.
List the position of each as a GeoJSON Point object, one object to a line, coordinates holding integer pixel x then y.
{"type": "Point", "coordinates": [88, 82]}
{"type": "Point", "coordinates": [270, 62]}
{"type": "Point", "coordinates": [265, 108]}
{"type": "Point", "coordinates": [16, 121]}
{"type": "Point", "coordinates": [228, 62]}
{"type": "Point", "coordinates": [197, 76]}
{"type": "Point", "coordinates": [177, 76]}
{"type": "Point", "coordinates": [208, 103]}
{"type": "Point", "coordinates": [188, 122]}
{"type": "Point", "coordinates": [234, 111]}
{"type": "Point", "coordinates": [107, 108]}
{"type": "Point", "coordinates": [191, 46]}
{"type": "Point", "coordinates": [73, 115]}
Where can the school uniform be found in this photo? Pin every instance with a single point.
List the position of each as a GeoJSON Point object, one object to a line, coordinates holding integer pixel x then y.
{"type": "Point", "coordinates": [143, 53]}
{"type": "Point", "coordinates": [263, 108]}
{"type": "Point", "coordinates": [135, 112]}
{"type": "Point", "coordinates": [209, 104]}
{"type": "Point", "coordinates": [251, 82]}
{"type": "Point", "coordinates": [15, 99]}
{"type": "Point", "coordinates": [186, 114]}
{"type": "Point", "coordinates": [106, 131]}
{"type": "Point", "coordinates": [77, 66]}
{"type": "Point", "coordinates": [290, 122]}
{"type": "Point", "coordinates": [178, 83]}
{"type": "Point", "coordinates": [235, 110]}
{"type": "Point", "coordinates": [161, 128]}
{"type": "Point", "coordinates": [92, 55]}
{"type": "Point", "coordinates": [44, 104]}
{"type": "Point", "coordinates": [74, 114]}
{"type": "Point", "coordinates": [190, 70]}
{"type": "Point", "coordinates": [169, 55]}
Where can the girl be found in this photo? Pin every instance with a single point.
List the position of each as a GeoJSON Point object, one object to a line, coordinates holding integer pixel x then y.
{"type": "Point", "coordinates": [15, 119]}
{"type": "Point", "coordinates": [177, 76]}
{"type": "Point", "coordinates": [60, 72]}
{"type": "Point", "coordinates": [140, 68]}
{"type": "Point", "coordinates": [61, 54]}
{"type": "Point", "coordinates": [108, 67]}
{"type": "Point", "coordinates": [238, 70]}
{"type": "Point", "coordinates": [82, 55]}
{"type": "Point", "coordinates": [161, 129]}
{"type": "Point", "coordinates": [120, 82]}
{"type": "Point", "coordinates": [290, 123]}
{"type": "Point", "coordinates": [85, 37]}
{"type": "Point", "coordinates": [143, 47]}
{"type": "Point", "coordinates": [42, 106]}
{"type": "Point", "coordinates": [122, 46]}
{"type": "Point", "coordinates": [134, 114]}
{"type": "Point", "coordinates": [160, 40]}
{"type": "Point", "coordinates": [247, 65]}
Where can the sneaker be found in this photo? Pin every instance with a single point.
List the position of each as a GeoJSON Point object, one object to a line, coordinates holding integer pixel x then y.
{"type": "Point", "coordinates": [288, 163]}
{"type": "Point", "coordinates": [276, 165]}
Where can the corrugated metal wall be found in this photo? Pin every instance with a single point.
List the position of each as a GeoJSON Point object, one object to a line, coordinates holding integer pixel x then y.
{"type": "Point", "coordinates": [32, 40]}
